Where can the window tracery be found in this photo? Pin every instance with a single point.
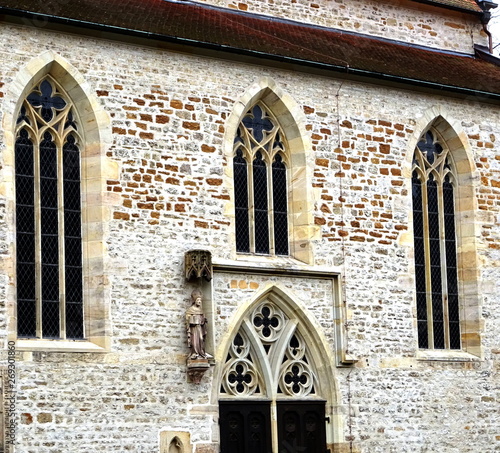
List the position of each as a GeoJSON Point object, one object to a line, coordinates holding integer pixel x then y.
{"type": "Point", "coordinates": [241, 376]}
{"type": "Point", "coordinates": [296, 377]}
{"type": "Point", "coordinates": [285, 361]}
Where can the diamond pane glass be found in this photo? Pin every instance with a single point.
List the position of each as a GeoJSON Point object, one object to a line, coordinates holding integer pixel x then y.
{"type": "Point", "coordinates": [40, 220]}
{"type": "Point", "coordinates": [260, 205]}
{"type": "Point", "coordinates": [261, 192]}
{"type": "Point", "coordinates": [420, 278]}
{"type": "Point", "coordinates": [72, 239]}
{"type": "Point", "coordinates": [451, 264]}
{"type": "Point", "coordinates": [241, 202]}
{"type": "Point", "coordinates": [25, 229]}
{"type": "Point", "coordinates": [50, 301]}
{"type": "Point", "coordinates": [439, 247]}
{"type": "Point", "coordinates": [74, 320]}
{"type": "Point", "coordinates": [26, 308]}
{"type": "Point", "coordinates": [49, 224]}
{"type": "Point", "coordinates": [280, 207]}
{"type": "Point", "coordinates": [435, 260]}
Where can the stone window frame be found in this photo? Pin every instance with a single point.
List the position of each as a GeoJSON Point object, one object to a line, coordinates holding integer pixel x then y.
{"type": "Point", "coordinates": [440, 169]}
{"type": "Point", "coordinates": [62, 124]}
{"type": "Point", "coordinates": [96, 208]}
{"type": "Point", "coordinates": [451, 135]}
{"type": "Point", "coordinates": [301, 198]}
{"type": "Point", "coordinates": [249, 149]}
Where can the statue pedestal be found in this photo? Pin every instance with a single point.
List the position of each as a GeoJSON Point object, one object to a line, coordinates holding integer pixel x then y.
{"type": "Point", "coordinates": [196, 369]}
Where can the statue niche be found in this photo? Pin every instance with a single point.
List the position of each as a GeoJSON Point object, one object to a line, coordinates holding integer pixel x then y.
{"type": "Point", "coordinates": [196, 329]}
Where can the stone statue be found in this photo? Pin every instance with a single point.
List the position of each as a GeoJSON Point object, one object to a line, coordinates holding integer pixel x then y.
{"type": "Point", "coordinates": [196, 327]}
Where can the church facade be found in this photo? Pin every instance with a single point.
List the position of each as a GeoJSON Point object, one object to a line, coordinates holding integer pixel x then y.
{"type": "Point", "coordinates": [250, 226]}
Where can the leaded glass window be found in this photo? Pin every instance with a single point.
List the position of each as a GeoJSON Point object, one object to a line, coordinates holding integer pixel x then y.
{"type": "Point", "coordinates": [436, 276]}
{"type": "Point", "coordinates": [260, 185]}
{"type": "Point", "coordinates": [48, 216]}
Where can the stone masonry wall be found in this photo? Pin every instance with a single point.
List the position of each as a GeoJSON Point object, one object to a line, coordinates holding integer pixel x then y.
{"type": "Point", "coordinates": [168, 118]}
{"type": "Point", "coordinates": [401, 20]}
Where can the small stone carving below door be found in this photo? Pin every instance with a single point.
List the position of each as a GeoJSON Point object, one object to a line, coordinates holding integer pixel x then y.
{"type": "Point", "coordinates": [175, 442]}
{"type": "Point", "coordinates": [175, 446]}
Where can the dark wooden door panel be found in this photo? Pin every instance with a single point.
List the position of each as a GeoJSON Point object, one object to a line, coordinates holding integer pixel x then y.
{"type": "Point", "coordinates": [301, 427]}
{"type": "Point", "coordinates": [245, 427]}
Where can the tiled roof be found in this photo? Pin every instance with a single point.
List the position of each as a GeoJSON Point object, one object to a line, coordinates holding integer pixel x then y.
{"type": "Point", "coordinates": [264, 37]}
{"type": "Point", "coordinates": [467, 5]}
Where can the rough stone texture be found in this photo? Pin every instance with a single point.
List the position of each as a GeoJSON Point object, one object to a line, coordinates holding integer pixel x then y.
{"type": "Point", "coordinates": [169, 112]}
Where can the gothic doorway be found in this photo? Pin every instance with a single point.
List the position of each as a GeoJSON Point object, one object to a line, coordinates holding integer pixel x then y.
{"type": "Point", "coordinates": [270, 398]}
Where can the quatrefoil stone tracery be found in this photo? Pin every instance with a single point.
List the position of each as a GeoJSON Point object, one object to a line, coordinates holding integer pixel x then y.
{"type": "Point", "coordinates": [241, 375]}
{"type": "Point", "coordinates": [268, 322]}
{"type": "Point", "coordinates": [296, 377]}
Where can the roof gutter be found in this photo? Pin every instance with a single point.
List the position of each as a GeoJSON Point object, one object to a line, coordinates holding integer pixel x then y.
{"type": "Point", "coordinates": [251, 53]}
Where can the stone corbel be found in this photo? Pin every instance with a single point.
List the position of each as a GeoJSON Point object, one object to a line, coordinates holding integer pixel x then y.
{"type": "Point", "coordinates": [196, 368]}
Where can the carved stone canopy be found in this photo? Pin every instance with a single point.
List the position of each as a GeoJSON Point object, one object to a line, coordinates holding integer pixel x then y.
{"type": "Point", "coordinates": [198, 264]}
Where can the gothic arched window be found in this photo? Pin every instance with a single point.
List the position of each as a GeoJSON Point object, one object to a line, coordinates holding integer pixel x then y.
{"type": "Point", "coordinates": [436, 276]}
{"type": "Point", "coordinates": [260, 185]}
{"type": "Point", "coordinates": [48, 216]}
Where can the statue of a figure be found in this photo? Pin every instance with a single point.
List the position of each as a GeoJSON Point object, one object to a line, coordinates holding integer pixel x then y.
{"type": "Point", "coordinates": [196, 327]}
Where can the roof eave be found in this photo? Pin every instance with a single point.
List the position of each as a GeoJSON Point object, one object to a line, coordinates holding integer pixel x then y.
{"type": "Point", "coordinates": [478, 13]}
{"type": "Point", "coordinates": [296, 63]}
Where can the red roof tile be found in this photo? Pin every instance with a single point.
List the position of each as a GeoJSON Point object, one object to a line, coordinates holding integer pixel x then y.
{"type": "Point", "coordinates": [467, 5]}
{"type": "Point", "coordinates": [226, 30]}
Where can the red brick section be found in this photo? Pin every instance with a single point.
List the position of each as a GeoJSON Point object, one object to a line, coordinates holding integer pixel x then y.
{"type": "Point", "coordinates": [241, 32]}
{"type": "Point", "coordinates": [164, 185]}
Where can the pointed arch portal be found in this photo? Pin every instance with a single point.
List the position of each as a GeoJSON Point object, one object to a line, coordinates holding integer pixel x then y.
{"type": "Point", "coordinates": [271, 397]}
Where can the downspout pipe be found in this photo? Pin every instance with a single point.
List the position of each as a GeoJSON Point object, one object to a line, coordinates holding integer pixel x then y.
{"type": "Point", "coordinates": [490, 37]}
{"type": "Point", "coordinates": [486, 6]}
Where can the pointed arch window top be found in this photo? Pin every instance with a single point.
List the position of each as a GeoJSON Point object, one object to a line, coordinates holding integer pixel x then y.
{"type": "Point", "coordinates": [46, 100]}
{"type": "Point", "coordinates": [259, 132]}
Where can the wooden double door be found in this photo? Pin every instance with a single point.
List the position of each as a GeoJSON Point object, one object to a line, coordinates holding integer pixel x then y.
{"type": "Point", "coordinates": [247, 427]}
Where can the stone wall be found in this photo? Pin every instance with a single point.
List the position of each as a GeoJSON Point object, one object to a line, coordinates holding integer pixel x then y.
{"type": "Point", "coordinates": [169, 193]}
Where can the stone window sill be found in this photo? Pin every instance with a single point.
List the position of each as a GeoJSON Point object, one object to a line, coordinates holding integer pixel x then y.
{"type": "Point", "coordinates": [446, 356]}
{"type": "Point", "coordinates": [274, 264]}
{"type": "Point", "coordinates": [58, 346]}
